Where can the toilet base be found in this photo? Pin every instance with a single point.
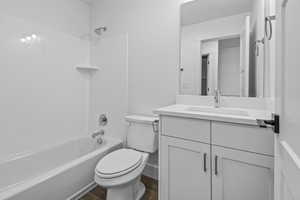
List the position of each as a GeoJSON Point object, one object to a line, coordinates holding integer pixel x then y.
{"type": "Point", "coordinates": [132, 191]}
{"type": "Point", "coordinates": [141, 191]}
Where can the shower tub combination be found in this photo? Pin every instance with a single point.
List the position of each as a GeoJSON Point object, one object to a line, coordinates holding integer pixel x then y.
{"type": "Point", "coordinates": [64, 171]}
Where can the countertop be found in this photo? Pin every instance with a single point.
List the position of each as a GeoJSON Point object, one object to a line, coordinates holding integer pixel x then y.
{"type": "Point", "coordinates": [254, 117]}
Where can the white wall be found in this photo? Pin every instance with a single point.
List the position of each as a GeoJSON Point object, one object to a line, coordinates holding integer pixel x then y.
{"type": "Point", "coordinates": [217, 28]}
{"type": "Point", "coordinates": [257, 68]}
{"type": "Point", "coordinates": [43, 98]}
{"type": "Point", "coordinates": [262, 67]}
{"type": "Point", "coordinates": [270, 49]}
{"type": "Point", "coordinates": [191, 37]}
{"type": "Point", "coordinates": [153, 48]}
{"type": "Point", "coordinates": [197, 11]}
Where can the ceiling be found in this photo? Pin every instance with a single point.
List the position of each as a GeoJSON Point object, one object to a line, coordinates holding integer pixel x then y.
{"type": "Point", "coordinates": [202, 10]}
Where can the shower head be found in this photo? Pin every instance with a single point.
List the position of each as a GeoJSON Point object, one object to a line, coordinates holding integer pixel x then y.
{"type": "Point", "coordinates": [100, 30]}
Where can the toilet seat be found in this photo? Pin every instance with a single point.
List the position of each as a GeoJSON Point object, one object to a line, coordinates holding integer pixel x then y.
{"type": "Point", "coordinates": [118, 163]}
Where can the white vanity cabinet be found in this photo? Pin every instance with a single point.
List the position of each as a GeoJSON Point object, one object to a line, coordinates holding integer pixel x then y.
{"type": "Point", "coordinates": [207, 160]}
{"type": "Point", "coordinates": [184, 170]}
{"type": "Point", "coordinates": [243, 137]}
{"type": "Point", "coordinates": [240, 175]}
{"type": "Point", "coordinates": [186, 128]}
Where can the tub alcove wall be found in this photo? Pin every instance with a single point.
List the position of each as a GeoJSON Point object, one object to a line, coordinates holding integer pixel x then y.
{"type": "Point", "coordinates": [43, 98]}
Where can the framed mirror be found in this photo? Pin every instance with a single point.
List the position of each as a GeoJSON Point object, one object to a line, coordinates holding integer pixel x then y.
{"type": "Point", "coordinates": [223, 47]}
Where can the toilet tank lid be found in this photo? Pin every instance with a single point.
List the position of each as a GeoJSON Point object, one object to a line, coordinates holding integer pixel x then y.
{"type": "Point", "coordinates": [145, 119]}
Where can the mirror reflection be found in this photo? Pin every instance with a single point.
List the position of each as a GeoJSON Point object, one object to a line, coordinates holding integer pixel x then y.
{"type": "Point", "coordinates": [223, 47]}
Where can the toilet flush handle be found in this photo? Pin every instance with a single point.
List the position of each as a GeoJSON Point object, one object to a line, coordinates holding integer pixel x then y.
{"type": "Point", "coordinates": [155, 126]}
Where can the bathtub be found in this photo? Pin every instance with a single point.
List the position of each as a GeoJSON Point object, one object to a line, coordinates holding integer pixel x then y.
{"type": "Point", "coordinates": [61, 172]}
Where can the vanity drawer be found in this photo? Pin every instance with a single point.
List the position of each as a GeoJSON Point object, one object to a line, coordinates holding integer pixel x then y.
{"type": "Point", "coordinates": [186, 128]}
{"type": "Point", "coordinates": [243, 137]}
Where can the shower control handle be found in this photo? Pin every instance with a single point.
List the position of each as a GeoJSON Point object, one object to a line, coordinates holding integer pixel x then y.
{"type": "Point", "coordinates": [155, 126]}
{"type": "Point", "coordinates": [103, 120]}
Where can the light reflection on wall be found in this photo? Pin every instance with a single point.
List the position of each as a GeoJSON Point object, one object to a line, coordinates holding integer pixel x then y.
{"type": "Point", "coordinates": [30, 39]}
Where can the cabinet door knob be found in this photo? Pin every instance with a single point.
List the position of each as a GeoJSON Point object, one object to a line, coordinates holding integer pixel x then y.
{"type": "Point", "coordinates": [205, 162]}
{"type": "Point", "coordinates": [216, 165]}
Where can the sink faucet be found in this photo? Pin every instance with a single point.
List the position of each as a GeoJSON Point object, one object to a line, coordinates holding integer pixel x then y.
{"type": "Point", "coordinates": [98, 135]}
{"type": "Point", "coordinates": [217, 98]}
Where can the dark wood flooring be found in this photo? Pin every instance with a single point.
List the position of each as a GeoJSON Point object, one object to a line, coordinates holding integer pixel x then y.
{"type": "Point", "coordinates": [151, 191]}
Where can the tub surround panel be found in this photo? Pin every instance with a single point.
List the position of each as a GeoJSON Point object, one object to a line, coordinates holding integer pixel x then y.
{"type": "Point", "coordinates": [43, 98]}
{"type": "Point", "coordinates": [108, 87]}
{"type": "Point", "coordinates": [71, 17]}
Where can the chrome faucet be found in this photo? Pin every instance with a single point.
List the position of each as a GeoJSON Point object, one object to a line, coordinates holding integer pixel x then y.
{"type": "Point", "coordinates": [99, 135]}
{"type": "Point", "coordinates": [217, 98]}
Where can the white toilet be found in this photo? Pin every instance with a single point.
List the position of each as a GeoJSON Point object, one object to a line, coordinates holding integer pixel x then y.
{"type": "Point", "coordinates": [120, 171]}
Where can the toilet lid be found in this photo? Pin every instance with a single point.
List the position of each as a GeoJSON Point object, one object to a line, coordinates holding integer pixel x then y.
{"type": "Point", "coordinates": [118, 163]}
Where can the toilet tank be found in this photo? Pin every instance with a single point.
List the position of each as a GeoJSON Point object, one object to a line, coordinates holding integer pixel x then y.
{"type": "Point", "coordinates": [141, 135]}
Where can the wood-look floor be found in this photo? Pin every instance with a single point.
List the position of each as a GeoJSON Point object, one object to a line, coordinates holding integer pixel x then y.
{"type": "Point", "coordinates": [151, 191]}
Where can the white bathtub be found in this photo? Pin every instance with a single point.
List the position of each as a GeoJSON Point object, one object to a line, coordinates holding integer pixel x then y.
{"type": "Point", "coordinates": [57, 173]}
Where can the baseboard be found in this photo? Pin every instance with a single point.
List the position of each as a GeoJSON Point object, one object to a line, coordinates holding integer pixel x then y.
{"type": "Point", "coordinates": [82, 191]}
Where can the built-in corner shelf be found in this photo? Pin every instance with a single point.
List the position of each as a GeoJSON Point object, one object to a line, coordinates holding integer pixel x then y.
{"type": "Point", "coordinates": [87, 68]}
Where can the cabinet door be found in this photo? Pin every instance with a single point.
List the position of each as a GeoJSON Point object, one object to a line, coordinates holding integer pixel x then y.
{"type": "Point", "coordinates": [184, 170]}
{"type": "Point", "coordinates": [240, 175]}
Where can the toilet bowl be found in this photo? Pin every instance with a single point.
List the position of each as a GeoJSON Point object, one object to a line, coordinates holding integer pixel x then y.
{"type": "Point", "coordinates": [120, 171]}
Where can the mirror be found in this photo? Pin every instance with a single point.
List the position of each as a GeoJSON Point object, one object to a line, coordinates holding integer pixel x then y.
{"type": "Point", "coordinates": [223, 48]}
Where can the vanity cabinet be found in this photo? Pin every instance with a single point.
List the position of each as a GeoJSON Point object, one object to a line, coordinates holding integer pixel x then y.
{"type": "Point", "coordinates": [240, 175]}
{"type": "Point", "coordinates": [207, 160]}
{"type": "Point", "coordinates": [184, 170]}
{"type": "Point", "coordinates": [243, 137]}
{"type": "Point", "coordinates": [186, 128]}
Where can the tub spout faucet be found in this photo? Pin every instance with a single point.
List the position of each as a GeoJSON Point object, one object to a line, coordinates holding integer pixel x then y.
{"type": "Point", "coordinates": [217, 98]}
{"type": "Point", "coordinates": [98, 133]}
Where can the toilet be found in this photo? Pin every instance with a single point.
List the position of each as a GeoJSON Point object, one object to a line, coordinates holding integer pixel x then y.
{"type": "Point", "coordinates": [120, 171]}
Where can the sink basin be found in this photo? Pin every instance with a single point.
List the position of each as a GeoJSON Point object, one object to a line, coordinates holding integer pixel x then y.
{"type": "Point", "coordinates": [221, 111]}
